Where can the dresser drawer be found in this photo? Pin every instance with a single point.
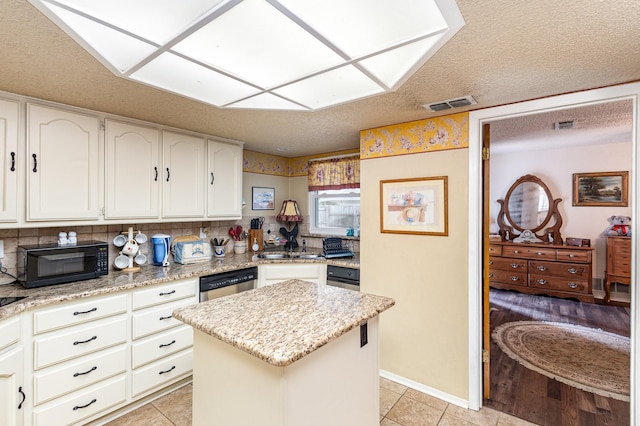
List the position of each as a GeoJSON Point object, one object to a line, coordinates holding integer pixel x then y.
{"type": "Point", "coordinates": [524, 252]}
{"type": "Point", "coordinates": [161, 345]}
{"type": "Point", "coordinates": [505, 264]}
{"type": "Point", "coordinates": [583, 256]}
{"type": "Point", "coordinates": [510, 278]}
{"type": "Point", "coordinates": [559, 269]}
{"type": "Point", "coordinates": [559, 283]}
{"type": "Point", "coordinates": [165, 293]}
{"type": "Point", "coordinates": [495, 250]}
{"type": "Point", "coordinates": [163, 371]}
{"type": "Point", "coordinates": [78, 312]}
{"type": "Point", "coordinates": [78, 373]}
{"type": "Point", "coordinates": [152, 320]}
{"type": "Point", "coordinates": [79, 340]}
{"type": "Point", "coordinates": [73, 408]}
{"type": "Point", "coordinates": [9, 332]}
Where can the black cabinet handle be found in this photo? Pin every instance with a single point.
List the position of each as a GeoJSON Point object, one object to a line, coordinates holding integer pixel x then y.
{"type": "Point", "coordinates": [23, 397]}
{"type": "Point", "coordinates": [164, 345]}
{"type": "Point", "coordinates": [168, 174]}
{"type": "Point", "coordinates": [166, 371]}
{"type": "Point", "coordinates": [77, 407]}
{"type": "Point", "coordinates": [156, 170]}
{"type": "Point", "coordinates": [164, 318]}
{"type": "Point", "coordinates": [13, 161]}
{"type": "Point", "coordinates": [167, 293]}
{"type": "Point", "coordinates": [211, 178]}
{"type": "Point", "coordinates": [86, 372]}
{"type": "Point", "coordinates": [85, 312]}
{"type": "Point", "coordinates": [35, 163]}
{"type": "Point", "coordinates": [77, 342]}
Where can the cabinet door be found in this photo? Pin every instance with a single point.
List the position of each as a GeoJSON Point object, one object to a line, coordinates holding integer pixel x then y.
{"type": "Point", "coordinates": [12, 392]}
{"type": "Point", "coordinates": [62, 177]}
{"type": "Point", "coordinates": [132, 171]}
{"type": "Point", "coordinates": [9, 164]}
{"type": "Point", "coordinates": [183, 175]}
{"type": "Point", "coordinates": [224, 196]}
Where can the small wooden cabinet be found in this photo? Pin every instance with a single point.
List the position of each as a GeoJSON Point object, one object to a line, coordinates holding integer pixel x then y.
{"type": "Point", "coordinates": [555, 270]}
{"type": "Point", "coordinates": [618, 263]}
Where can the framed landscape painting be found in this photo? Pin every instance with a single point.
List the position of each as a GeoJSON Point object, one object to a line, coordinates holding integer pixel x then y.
{"type": "Point", "coordinates": [601, 189]}
{"type": "Point", "coordinates": [414, 206]}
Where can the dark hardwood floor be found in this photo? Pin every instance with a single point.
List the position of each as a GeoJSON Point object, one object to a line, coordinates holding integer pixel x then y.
{"type": "Point", "coordinates": [531, 396]}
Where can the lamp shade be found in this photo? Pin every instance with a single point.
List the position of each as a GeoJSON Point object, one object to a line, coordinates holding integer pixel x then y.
{"type": "Point", "coordinates": [289, 212]}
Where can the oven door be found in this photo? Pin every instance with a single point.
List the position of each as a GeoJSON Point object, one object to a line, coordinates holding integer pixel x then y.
{"type": "Point", "coordinates": [339, 276]}
{"type": "Point", "coordinates": [56, 266]}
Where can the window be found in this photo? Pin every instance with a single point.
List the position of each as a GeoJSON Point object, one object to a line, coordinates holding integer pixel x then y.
{"type": "Point", "coordinates": [333, 211]}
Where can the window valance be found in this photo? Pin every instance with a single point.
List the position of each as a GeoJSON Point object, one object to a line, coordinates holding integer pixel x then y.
{"type": "Point", "coordinates": [334, 173]}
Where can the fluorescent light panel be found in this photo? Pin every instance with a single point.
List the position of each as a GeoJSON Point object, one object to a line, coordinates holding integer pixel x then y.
{"type": "Point", "coordinates": [261, 54]}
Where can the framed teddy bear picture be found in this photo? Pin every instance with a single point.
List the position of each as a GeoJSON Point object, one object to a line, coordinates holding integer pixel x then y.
{"type": "Point", "coordinates": [609, 189]}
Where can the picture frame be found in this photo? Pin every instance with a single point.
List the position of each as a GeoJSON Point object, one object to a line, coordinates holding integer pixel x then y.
{"type": "Point", "coordinates": [604, 189]}
{"type": "Point", "coordinates": [414, 206]}
{"type": "Point", "coordinates": [263, 198]}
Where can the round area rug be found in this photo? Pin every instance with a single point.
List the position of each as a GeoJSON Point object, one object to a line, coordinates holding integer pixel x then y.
{"type": "Point", "coordinates": [586, 358]}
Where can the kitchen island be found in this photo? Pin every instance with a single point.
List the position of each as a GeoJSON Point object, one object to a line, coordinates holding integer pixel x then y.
{"type": "Point", "coordinates": [293, 353]}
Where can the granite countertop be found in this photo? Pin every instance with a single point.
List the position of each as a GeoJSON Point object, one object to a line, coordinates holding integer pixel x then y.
{"type": "Point", "coordinates": [283, 322]}
{"type": "Point", "coordinates": [117, 281]}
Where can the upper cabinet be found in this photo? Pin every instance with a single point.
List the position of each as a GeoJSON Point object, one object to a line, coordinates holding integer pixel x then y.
{"type": "Point", "coordinates": [224, 194]}
{"type": "Point", "coordinates": [183, 176]}
{"type": "Point", "coordinates": [62, 177]}
{"type": "Point", "coordinates": [132, 171]}
{"type": "Point", "coordinates": [9, 113]}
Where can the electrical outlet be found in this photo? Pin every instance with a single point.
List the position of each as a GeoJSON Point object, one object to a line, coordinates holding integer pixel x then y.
{"type": "Point", "coordinates": [1, 249]}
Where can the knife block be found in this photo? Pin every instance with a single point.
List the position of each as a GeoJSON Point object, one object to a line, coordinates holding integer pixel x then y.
{"type": "Point", "coordinates": [259, 236]}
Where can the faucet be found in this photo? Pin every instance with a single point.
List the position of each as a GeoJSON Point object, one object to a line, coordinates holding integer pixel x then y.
{"type": "Point", "coordinates": [304, 246]}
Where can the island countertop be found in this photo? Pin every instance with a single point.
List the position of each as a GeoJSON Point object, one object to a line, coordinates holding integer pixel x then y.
{"type": "Point", "coordinates": [282, 323]}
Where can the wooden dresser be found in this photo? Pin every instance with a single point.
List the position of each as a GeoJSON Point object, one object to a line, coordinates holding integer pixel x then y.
{"type": "Point", "coordinates": [618, 263]}
{"type": "Point", "coordinates": [556, 270]}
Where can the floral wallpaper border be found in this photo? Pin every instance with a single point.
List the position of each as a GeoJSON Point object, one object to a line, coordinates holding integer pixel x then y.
{"type": "Point", "coordinates": [257, 162]}
{"type": "Point", "coordinates": [432, 134]}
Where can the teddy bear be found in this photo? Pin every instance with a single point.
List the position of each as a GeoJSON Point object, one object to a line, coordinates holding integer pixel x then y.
{"type": "Point", "coordinates": [620, 225]}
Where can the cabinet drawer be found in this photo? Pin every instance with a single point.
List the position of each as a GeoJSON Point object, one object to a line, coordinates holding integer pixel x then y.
{"type": "Point", "coordinates": [79, 340]}
{"type": "Point", "coordinates": [558, 269]}
{"type": "Point", "coordinates": [9, 332]}
{"type": "Point", "coordinates": [524, 252]}
{"type": "Point", "coordinates": [78, 312]}
{"type": "Point", "coordinates": [163, 371]}
{"type": "Point", "coordinates": [152, 320]}
{"type": "Point", "coordinates": [78, 374]}
{"type": "Point", "coordinates": [574, 256]}
{"type": "Point", "coordinates": [164, 293]}
{"type": "Point", "coordinates": [506, 264]}
{"type": "Point", "coordinates": [511, 278]}
{"type": "Point", "coordinates": [558, 283]}
{"type": "Point", "coordinates": [161, 345]}
{"type": "Point", "coordinates": [82, 404]}
{"type": "Point", "coordinates": [495, 250]}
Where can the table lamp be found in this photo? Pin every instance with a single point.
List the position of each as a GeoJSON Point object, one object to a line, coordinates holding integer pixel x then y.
{"type": "Point", "coordinates": [289, 213]}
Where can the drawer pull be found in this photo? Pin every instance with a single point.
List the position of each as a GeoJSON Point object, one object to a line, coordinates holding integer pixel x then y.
{"type": "Point", "coordinates": [167, 371]}
{"type": "Point", "coordinates": [572, 255]}
{"type": "Point", "coordinates": [167, 293]}
{"type": "Point", "coordinates": [541, 281]}
{"type": "Point", "coordinates": [77, 342]}
{"type": "Point", "coordinates": [572, 270]}
{"type": "Point", "coordinates": [514, 278]}
{"type": "Point", "coordinates": [516, 251]}
{"type": "Point", "coordinates": [491, 275]}
{"type": "Point", "coordinates": [514, 265]}
{"type": "Point", "coordinates": [490, 262]}
{"type": "Point", "coordinates": [164, 318]}
{"type": "Point", "coordinates": [541, 268]}
{"type": "Point", "coordinates": [539, 253]}
{"type": "Point", "coordinates": [85, 312]}
{"type": "Point", "coordinates": [77, 407]}
{"type": "Point", "coordinates": [23, 397]}
{"type": "Point", "coordinates": [164, 345]}
{"type": "Point", "coordinates": [95, 367]}
{"type": "Point", "coordinates": [573, 285]}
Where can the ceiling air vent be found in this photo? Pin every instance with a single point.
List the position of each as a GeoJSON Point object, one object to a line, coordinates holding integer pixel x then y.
{"type": "Point", "coordinates": [562, 125]}
{"type": "Point", "coordinates": [451, 103]}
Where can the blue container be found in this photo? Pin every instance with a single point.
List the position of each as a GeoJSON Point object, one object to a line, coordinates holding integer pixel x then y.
{"type": "Point", "coordinates": [160, 244]}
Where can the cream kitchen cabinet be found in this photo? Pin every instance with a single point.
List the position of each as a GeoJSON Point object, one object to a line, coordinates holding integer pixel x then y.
{"type": "Point", "coordinates": [132, 171]}
{"type": "Point", "coordinates": [183, 176]}
{"type": "Point", "coordinates": [274, 273]}
{"type": "Point", "coordinates": [63, 158]}
{"type": "Point", "coordinates": [10, 163]}
{"type": "Point", "coordinates": [224, 196]}
{"type": "Point", "coordinates": [13, 392]}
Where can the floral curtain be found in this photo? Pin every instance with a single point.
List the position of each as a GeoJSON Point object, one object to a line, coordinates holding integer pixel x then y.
{"type": "Point", "coordinates": [335, 173]}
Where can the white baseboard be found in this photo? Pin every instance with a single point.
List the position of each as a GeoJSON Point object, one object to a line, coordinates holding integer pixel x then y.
{"type": "Point", "coordinates": [425, 389]}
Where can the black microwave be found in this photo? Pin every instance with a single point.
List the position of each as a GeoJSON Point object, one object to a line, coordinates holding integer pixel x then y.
{"type": "Point", "coordinates": [48, 264]}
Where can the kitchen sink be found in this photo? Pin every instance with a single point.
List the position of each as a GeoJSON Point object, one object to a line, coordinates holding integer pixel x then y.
{"type": "Point", "coordinates": [289, 255]}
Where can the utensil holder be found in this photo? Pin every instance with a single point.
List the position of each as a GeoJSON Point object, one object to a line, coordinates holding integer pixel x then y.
{"type": "Point", "coordinates": [240, 247]}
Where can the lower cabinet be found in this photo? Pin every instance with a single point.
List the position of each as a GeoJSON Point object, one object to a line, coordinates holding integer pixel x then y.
{"type": "Point", "coordinates": [12, 395]}
{"type": "Point", "coordinates": [272, 274]}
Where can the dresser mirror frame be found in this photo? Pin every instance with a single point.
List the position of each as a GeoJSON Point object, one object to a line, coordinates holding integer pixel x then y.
{"type": "Point", "coordinates": [547, 231]}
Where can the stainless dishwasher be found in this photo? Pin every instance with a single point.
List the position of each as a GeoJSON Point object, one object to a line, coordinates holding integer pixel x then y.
{"type": "Point", "coordinates": [339, 276]}
{"type": "Point", "coordinates": [227, 283]}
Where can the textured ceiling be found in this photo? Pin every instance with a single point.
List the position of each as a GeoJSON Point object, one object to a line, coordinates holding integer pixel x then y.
{"type": "Point", "coordinates": [508, 51]}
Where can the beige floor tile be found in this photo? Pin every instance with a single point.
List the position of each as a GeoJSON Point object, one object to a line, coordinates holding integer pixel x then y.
{"type": "Point", "coordinates": [177, 404]}
{"type": "Point", "coordinates": [392, 386]}
{"type": "Point", "coordinates": [426, 399]}
{"type": "Point", "coordinates": [449, 420]}
{"type": "Point", "coordinates": [387, 400]}
{"type": "Point", "coordinates": [409, 412]}
{"type": "Point", "coordinates": [184, 420]}
{"type": "Point", "coordinates": [389, 422]}
{"type": "Point", "coordinates": [147, 414]}
{"type": "Point", "coordinates": [483, 417]}
{"type": "Point", "coordinates": [508, 420]}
